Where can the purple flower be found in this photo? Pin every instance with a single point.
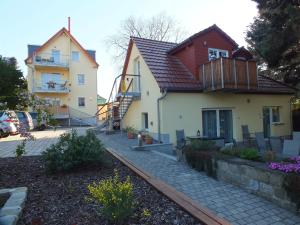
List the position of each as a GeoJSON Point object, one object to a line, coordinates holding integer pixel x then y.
{"type": "Point", "coordinates": [291, 167]}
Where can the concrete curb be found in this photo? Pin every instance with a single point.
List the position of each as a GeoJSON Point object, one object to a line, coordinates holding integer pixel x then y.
{"type": "Point", "coordinates": [12, 209]}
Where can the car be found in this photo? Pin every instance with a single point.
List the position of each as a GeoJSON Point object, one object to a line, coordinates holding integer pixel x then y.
{"type": "Point", "coordinates": [10, 119]}
{"type": "Point", "coordinates": [25, 119]}
{"type": "Point", "coordinates": [43, 123]}
{"type": "Point", "coordinates": [4, 130]}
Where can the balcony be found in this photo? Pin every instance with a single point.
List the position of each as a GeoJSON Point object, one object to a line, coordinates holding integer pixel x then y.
{"type": "Point", "coordinates": [51, 87]}
{"type": "Point", "coordinates": [51, 60]}
{"type": "Point", "coordinates": [227, 74]}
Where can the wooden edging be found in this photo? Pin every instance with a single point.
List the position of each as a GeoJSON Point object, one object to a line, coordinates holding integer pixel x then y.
{"type": "Point", "coordinates": [203, 214]}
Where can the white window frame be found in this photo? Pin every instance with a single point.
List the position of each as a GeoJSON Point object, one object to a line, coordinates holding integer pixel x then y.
{"type": "Point", "coordinates": [81, 106]}
{"type": "Point", "coordinates": [75, 59]}
{"type": "Point", "coordinates": [218, 117]}
{"type": "Point", "coordinates": [78, 80]}
{"type": "Point", "coordinates": [270, 108]}
{"type": "Point", "coordinates": [218, 51]}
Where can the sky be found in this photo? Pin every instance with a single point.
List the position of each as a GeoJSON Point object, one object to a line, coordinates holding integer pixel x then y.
{"type": "Point", "coordinates": [93, 21]}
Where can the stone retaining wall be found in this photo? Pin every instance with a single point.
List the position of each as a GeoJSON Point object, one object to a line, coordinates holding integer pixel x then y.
{"type": "Point", "coordinates": [256, 179]}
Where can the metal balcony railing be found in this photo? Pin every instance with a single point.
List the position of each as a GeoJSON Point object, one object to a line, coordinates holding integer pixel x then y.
{"type": "Point", "coordinates": [51, 87]}
{"type": "Point", "coordinates": [48, 59]}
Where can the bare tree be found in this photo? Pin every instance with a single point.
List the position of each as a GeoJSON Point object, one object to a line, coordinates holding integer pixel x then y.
{"type": "Point", "coordinates": [160, 27]}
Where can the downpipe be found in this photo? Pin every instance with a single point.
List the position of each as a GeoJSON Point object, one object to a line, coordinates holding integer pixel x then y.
{"type": "Point", "coordinates": [158, 114]}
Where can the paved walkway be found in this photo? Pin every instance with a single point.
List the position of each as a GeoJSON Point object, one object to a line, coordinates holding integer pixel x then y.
{"type": "Point", "coordinates": [226, 200]}
{"type": "Point", "coordinates": [43, 140]}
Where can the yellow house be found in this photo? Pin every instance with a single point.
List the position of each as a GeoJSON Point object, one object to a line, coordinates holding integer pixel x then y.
{"type": "Point", "coordinates": [206, 84]}
{"type": "Point", "coordinates": [63, 73]}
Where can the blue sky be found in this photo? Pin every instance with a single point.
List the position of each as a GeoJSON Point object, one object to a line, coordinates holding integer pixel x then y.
{"type": "Point", "coordinates": [92, 21]}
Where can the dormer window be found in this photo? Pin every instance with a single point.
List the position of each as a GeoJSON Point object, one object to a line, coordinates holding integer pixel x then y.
{"type": "Point", "coordinates": [214, 53]}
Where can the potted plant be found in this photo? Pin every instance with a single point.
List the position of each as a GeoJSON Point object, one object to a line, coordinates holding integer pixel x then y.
{"type": "Point", "coordinates": [131, 132]}
{"type": "Point", "coordinates": [148, 139]}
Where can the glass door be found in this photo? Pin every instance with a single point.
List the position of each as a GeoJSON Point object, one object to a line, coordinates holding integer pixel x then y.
{"type": "Point", "coordinates": [225, 117]}
{"type": "Point", "coordinates": [209, 119]}
{"type": "Point", "coordinates": [266, 122]}
{"type": "Point", "coordinates": [56, 56]}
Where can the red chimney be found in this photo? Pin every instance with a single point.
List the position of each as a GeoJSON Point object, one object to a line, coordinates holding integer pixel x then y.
{"type": "Point", "coordinates": [69, 24]}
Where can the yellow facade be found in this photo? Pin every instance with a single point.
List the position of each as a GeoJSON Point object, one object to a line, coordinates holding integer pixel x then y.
{"type": "Point", "coordinates": [184, 110]}
{"type": "Point", "coordinates": [69, 74]}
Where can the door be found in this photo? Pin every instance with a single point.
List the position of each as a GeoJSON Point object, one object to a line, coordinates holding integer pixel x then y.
{"type": "Point", "coordinates": [266, 122]}
{"type": "Point", "coordinates": [56, 56]}
{"type": "Point", "coordinates": [226, 130]}
{"type": "Point", "coordinates": [209, 118]}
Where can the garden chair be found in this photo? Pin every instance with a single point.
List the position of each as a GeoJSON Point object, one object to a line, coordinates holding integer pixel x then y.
{"type": "Point", "coordinates": [260, 141]}
{"type": "Point", "coordinates": [276, 144]}
{"type": "Point", "coordinates": [296, 136]}
{"type": "Point", "coordinates": [291, 148]}
{"type": "Point", "coordinates": [247, 139]}
{"type": "Point", "coordinates": [180, 143]}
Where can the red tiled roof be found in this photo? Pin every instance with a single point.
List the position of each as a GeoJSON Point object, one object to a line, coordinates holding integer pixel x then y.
{"type": "Point", "coordinates": [168, 71]}
{"type": "Point", "coordinates": [173, 75]}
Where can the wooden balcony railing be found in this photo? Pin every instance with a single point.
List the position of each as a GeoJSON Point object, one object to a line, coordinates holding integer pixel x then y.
{"type": "Point", "coordinates": [228, 74]}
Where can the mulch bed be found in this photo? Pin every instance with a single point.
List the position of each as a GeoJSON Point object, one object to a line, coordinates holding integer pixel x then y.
{"type": "Point", "coordinates": [61, 198]}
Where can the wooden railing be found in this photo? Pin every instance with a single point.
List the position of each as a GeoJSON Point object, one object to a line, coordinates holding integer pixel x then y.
{"type": "Point", "coordinates": [230, 74]}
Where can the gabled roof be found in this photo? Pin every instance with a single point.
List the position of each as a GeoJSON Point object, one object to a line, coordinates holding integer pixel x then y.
{"type": "Point", "coordinates": [167, 70]}
{"type": "Point", "coordinates": [202, 32]}
{"type": "Point", "coordinates": [37, 48]}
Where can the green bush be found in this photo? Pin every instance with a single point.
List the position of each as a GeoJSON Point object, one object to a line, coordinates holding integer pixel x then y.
{"type": "Point", "coordinates": [250, 154]}
{"type": "Point", "coordinates": [201, 145]}
{"type": "Point", "coordinates": [115, 196]}
{"type": "Point", "coordinates": [72, 151]}
{"type": "Point", "coordinates": [233, 152]}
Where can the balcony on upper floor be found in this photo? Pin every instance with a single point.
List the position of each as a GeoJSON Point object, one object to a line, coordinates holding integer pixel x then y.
{"type": "Point", "coordinates": [51, 87]}
{"type": "Point", "coordinates": [51, 60]}
{"type": "Point", "coordinates": [226, 74]}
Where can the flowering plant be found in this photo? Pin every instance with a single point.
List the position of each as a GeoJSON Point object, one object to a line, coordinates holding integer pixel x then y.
{"type": "Point", "coordinates": [293, 166]}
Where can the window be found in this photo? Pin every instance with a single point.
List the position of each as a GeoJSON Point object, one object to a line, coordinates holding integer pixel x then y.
{"type": "Point", "coordinates": [75, 56]}
{"type": "Point", "coordinates": [80, 79]}
{"type": "Point", "coordinates": [81, 101]}
{"type": "Point", "coordinates": [275, 115]}
{"type": "Point", "coordinates": [145, 120]}
{"type": "Point", "coordinates": [214, 53]}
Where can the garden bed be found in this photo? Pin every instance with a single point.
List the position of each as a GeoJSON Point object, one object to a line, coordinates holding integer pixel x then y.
{"type": "Point", "coordinates": [62, 198]}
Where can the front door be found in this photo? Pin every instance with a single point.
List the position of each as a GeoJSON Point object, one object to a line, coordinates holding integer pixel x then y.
{"type": "Point", "coordinates": [209, 118]}
{"type": "Point", "coordinates": [266, 122]}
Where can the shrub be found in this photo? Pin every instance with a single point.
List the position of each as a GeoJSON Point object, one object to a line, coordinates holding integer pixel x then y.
{"type": "Point", "coordinates": [250, 154]}
{"type": "Point", "coordinates": [233, 152]}
{"type": "Point", "coordinates": [115, 196]}
{"type": "Point", "coordinates": [72, 151]}
{"type": "Point", "coordinates": [201, 145]}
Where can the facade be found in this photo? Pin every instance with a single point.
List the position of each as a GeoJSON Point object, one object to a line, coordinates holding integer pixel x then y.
{"type": "Point", "coordinates": [63, 73]}
{"type": "Point", "coordinates": [205, 83]}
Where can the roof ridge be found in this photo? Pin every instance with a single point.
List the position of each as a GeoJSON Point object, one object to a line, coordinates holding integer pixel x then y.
{"type": "Point", "coordinates": [149, 39]}
{"type": "Point", "coordinates": [277, 81]}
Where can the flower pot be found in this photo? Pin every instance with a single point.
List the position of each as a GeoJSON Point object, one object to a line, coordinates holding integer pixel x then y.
{"type": "Point", "coordinates": [130, 135]}
{"type": "Point", "coordinates": [148, 140]}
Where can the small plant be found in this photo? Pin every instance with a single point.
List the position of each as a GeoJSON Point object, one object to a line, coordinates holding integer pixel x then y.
{"type": "Point", "coordinates": [115, 196]}
{"type": "Point", "coordinates": [233, 152]}
{"type": "Point", "coordinates": [20, 150]}
{"type": "Point", "coordinates": [250, 154]}
{"type": "Point", "coordinates": [146, 213]}
{"type": "Point", "coordinates": [131, 132]}
{"type": "Point", "coordinates": [72, 151]}
{"type": "Point", "coordinates": [202, 145]}
{"type": "Point", "coordinates": [148, 139]}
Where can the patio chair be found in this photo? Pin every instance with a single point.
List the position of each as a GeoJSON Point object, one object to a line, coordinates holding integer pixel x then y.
{"type": "Point", "coordinates": [180, 139]}
{"type": "Point", "coordinates": [291, 148]}
{"type": "Point", "coordinates": [246, 135]}
{"type": "Point", "coordinates": [180, 143]}
{"type": "Point", "coordinates": [296, 136]}
{"type": "Point", "coordinates": [260, 141]}
{"type": "Point", "coordinates": [276, 144]}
